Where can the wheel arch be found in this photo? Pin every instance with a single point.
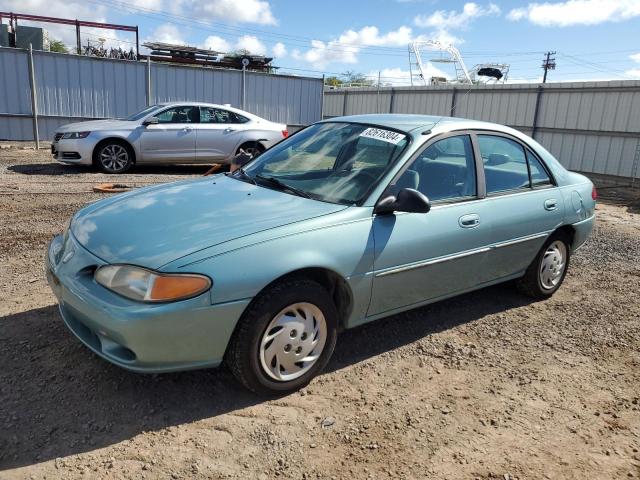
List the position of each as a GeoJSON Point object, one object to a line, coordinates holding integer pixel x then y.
{"type": "Point", "coordinates": [567, 231]}
{"type": "Point", "coordinates": [333, 282]}
{"type": "Point", "coordinates": [112, 138]}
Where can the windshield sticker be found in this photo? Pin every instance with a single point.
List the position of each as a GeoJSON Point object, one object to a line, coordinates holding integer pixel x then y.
{"type": "Point", "coordinates": [384, 135]}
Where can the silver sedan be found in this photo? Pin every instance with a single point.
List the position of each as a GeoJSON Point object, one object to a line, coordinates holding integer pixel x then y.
{"type": "Point", "coordinates": [170, 133]}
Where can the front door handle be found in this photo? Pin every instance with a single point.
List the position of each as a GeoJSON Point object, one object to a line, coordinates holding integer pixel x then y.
{"type": "Point", "coordinates": [469, 221]}
{"type": "Point", "coordinates": [550, 204]}
{"type": "Point", "coordinates": [187, 129]}
{"type": "Point", "coordinates": [229, 129]}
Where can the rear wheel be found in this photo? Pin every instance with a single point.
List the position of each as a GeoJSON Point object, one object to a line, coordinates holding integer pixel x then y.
{"type": "Point", "coordinates": [252, 148]}
{"type": "Point", "coordinates": [285, 338]}
{"type": "Point", "coordinates": [113, 156]}
{"type": "Point", "coordinates": [546, 273]}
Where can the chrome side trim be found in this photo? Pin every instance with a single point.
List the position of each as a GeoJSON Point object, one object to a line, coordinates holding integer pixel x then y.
{"type": "Point", "coordinates": [456, 256]}
{"type": "Point", "coordinates": [433, 261]}
{"type": "Point", "coordinates": [521, 240]}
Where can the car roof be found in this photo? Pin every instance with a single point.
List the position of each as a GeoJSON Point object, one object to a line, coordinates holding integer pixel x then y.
{"type": "Point", "coordinates": [411, 122]}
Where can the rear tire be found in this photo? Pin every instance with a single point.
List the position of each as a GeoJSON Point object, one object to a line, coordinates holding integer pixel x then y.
{"type": "Point", "coordinates": [547, 271]}
{"type": "Point", "coordinates": [113, 156]}
{"type": "Point", "coordinates": [252, 148]}
{"type": "Point", "coordinates": [285, 338]}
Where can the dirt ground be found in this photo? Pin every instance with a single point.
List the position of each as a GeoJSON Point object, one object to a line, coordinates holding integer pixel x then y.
{"type": "Point", "coordinates": [487, 385]}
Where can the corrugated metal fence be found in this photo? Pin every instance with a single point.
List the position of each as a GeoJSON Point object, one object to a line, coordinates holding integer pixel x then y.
{"type": "Point", "coordinates": [592, 127]}
{"type": "Point", "coordinates": [74, 88]}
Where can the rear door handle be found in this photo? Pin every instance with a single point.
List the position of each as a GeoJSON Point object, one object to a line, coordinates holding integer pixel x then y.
{"type": "Point", "coordinates": [550, 204]}
{"type": "Point", "coordinates": [187, 129]}
{"type": "Point", "coordinates": [229, 129]}
{"type": "Point", "coordinates": [469, 221]}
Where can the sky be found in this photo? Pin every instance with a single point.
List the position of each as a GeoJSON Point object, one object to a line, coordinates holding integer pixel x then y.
{"type": "Point", "coordinates": [594, 39]}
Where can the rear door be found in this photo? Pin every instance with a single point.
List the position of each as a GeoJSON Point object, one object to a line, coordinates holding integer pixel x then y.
{"type": "Point", "coordinates": [424, 256]}
{"type": "Point", "coordinates": [173, 138]}
{"type": "Point", "coordinates": [219, 133]}
{"type": "Point", "coordinates": [524, 204]}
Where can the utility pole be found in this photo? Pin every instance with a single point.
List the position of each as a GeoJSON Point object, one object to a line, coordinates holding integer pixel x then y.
{"type": "Point", "coordinates": [549, 63]}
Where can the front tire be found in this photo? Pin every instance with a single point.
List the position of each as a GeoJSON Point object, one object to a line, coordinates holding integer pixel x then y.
{"type": "Point", "coordinates": [546, 273]}
{"type": "Point", "coordinates": [113, 156]}
{"type": "Point", "coordinates": [285, 338]}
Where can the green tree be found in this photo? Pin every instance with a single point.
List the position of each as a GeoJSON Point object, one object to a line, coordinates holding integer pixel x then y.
{"type": "Point", "coordinates": [333, 81]}
{"type": "Point", "coordinates": [57, 46]}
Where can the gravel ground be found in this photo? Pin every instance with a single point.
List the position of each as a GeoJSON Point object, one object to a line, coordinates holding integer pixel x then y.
{"type": "Point", "coordinates": [487, 385]}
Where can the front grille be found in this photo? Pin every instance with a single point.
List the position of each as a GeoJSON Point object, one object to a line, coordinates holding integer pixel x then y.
{"type": "Point", "coordinates": [71, 155]}
{"type": "Point", "coordinates": [57, 137]}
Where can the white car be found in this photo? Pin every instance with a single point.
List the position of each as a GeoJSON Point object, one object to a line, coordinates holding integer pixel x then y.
{"type": "Point", "coordinates": [176, 133]}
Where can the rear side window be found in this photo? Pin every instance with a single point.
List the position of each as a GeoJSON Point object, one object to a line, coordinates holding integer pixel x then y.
{"type": "Point", "coordinates": [539, 175]}
{"type": "Point", "coordinates": [218, 115]}
{"type": "Point", "coordinates": [505, 164]}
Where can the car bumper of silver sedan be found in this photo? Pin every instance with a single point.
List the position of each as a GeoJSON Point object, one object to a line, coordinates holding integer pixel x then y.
{"type": "Point", "coordinates": [145, 338]}
{"type": "Point", "coordinates": [73, 151]}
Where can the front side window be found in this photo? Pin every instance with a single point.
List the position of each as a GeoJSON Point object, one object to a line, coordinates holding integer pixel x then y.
{"type": "Point", "coordinates": [445, 170]}
{"type": "Point", "coordinates": [505, 164]}
{"type": "Point", "coordinates": [184, 114]}
{"type": "Point", "coordinates": [219, 115]}
{"type": "Point", "coordinates": [334, 162]}
{"type": "Point", "coordinates": [142, 113]}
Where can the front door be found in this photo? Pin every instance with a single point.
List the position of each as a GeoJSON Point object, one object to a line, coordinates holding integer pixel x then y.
{"type": "Point", "coordinates": [173, 138]}
{"type": "Point", "coordinates": [420, 257]}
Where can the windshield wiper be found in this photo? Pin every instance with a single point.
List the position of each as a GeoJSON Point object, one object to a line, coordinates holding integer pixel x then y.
{"type": "Point", "coordinates": [245, 175]}
{"type": "Point", "coordinates": [283, 186]}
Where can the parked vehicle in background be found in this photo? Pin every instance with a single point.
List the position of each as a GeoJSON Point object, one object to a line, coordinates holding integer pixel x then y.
{"type": "Point", "coordinates": [169, 133]}
{"type": "Point", "coordinates": [347, 221]}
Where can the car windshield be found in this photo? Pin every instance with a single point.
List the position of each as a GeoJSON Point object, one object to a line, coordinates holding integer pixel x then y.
{"type": "Point", "coordinates": [334, 162]}
{"type": "Point", "coordinates": [142, 113]}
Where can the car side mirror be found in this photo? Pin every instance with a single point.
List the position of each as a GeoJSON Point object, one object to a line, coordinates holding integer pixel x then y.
{"type": "Point", "coordinates": [408, 200]}
{"type": "Point", "coordinates": [151, 121]}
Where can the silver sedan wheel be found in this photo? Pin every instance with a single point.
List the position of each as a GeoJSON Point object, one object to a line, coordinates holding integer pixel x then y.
{"type": "Point", "coordinates": [114, 157]}
{"type": "Point", "coordinates": [253, 151]}
{"type": "Point", "coordinates": [553, 264]}
{"type": "Point", "coordinates": [293, 342]}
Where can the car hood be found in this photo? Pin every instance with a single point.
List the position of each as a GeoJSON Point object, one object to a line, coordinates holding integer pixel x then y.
{"type": "Point", "coordinates": [98, 125]}
{"type": "Point", "coordinates": [153, 226]}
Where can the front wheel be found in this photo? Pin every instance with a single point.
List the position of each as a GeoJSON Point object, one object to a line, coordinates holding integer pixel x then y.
{"type": "Point", "coordinates": [546, 273]}
{"type": "Point", "coordinates": [113, 157]}
{"type": "Point", "coordinates": [285, 338]}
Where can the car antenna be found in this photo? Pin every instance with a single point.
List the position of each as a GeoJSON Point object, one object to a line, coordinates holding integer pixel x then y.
{"type": "Point", "coordinates": [453, 109]}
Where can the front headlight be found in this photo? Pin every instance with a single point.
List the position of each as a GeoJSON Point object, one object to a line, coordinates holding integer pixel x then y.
{"type": "Point", "coordinates": [137, 283]}
{"type": "Point", "coordinates": [75, 135]}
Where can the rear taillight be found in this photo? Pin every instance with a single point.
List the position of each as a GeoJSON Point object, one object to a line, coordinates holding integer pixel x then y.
{"type": "Point", "coordinates": [285, 133]}
{"type": "Point", "coordinates": [594, 193]}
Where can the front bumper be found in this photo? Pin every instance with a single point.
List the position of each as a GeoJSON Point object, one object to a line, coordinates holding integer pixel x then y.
{"type": "Point", "coordinates": [78, 152]}
{"type": "Point", "coordinates": [149, 338]}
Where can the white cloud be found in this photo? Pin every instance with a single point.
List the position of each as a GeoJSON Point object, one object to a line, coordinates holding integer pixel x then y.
{"type": "Point", "coordinates": [444, 20]}
{"type": "Point", "coordinates": [279, 50]}
{"type": "Point", "coordinates": [216, 43]}
{"type": "Point", "coordinates": [346, 47]}
{"type": "Point", "coordinates": [635, 57]}
{"type": "Point", "coordinates": [576, 12]}
{"type": "Point", "coordinates": [634, 72]}
{"type": "Point", "coordinates": [235, 11]}
{"type": "Point", "coordinates": [251, 44]}
{"type": "Point", "coordinates": [167, 33]}
{"type": "Point", "coordinates": [399, 77]}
